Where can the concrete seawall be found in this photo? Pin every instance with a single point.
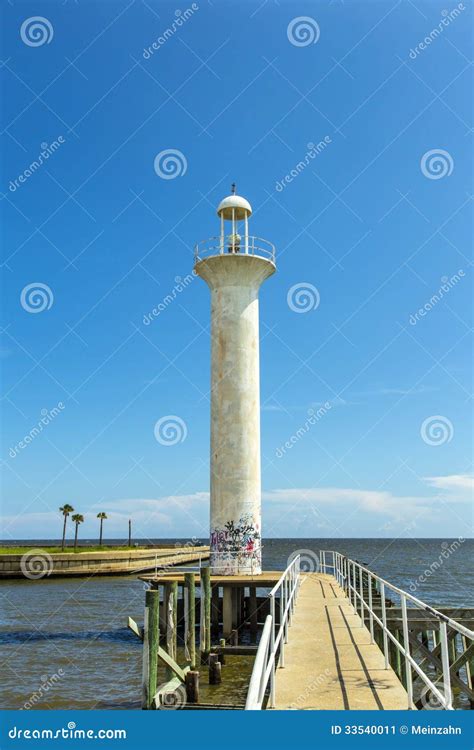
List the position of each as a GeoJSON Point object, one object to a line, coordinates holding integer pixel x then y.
{"type": "Point", "coordinates": [36, 563]}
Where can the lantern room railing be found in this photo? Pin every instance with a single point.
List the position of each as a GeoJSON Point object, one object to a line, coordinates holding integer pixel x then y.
{"type": "Point", "coordinates": [233, 244]}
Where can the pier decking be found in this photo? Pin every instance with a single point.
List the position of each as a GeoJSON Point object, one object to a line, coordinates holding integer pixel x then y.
{"type": "Point", "coordinates": [330, 662]}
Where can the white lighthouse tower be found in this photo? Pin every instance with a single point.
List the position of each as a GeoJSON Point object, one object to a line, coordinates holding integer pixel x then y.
{"type": "Point", "coordinates": [234, 265]}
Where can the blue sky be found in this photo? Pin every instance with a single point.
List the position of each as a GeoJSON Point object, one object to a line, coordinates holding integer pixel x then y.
{"type": "Point", "coordinates": [375, 222]}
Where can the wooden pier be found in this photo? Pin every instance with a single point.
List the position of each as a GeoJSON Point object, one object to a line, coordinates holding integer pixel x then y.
{"type": "Point", "coordinates": [340, 639]}
{"type": "Point", "coordinates": [330, 662]}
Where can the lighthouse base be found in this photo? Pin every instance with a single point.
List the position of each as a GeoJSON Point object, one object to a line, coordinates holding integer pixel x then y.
{"type": "Point", "coordinates": [235, 547]}
{"type": "Point", "coordinates": [235, 563]}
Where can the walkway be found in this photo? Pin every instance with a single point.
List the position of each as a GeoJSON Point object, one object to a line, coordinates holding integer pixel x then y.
{"type": "Point", "coordinates": [329, 660]}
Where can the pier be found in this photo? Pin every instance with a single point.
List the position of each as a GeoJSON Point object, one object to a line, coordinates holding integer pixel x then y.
{"type": "Point", "coordinates": [340, 638]}
{"type": "Point", "coordinates": [36, 564]}
{"type": "Point", "coordinates": [329, 660]}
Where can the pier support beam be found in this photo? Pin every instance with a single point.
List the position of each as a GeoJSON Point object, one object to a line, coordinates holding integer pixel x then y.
{"type": "Point", "coordinates": [151, 639]}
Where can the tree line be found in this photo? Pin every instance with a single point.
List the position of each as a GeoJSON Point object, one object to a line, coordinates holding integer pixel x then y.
{"type": "Point", "coordinates": [77, 518]}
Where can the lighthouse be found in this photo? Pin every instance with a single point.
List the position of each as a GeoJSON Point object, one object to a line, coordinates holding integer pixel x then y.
{"type": "Point", "coordinates": [234, 265]}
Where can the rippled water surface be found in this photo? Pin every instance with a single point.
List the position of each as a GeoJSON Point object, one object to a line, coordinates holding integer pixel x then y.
{"type": "Point", "coordinates": [71, 633]}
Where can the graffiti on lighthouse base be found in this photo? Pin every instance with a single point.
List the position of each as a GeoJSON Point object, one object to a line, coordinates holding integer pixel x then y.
{"type": "Point", "coordinates": [236, 547]}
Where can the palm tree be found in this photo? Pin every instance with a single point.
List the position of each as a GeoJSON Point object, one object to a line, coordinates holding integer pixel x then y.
{"type": "Point", "coordinates": [77, 519]}
{"type": "Point", "coordinates": [65, 510]}
{"type": "Point", "coordinates": [102, 517]}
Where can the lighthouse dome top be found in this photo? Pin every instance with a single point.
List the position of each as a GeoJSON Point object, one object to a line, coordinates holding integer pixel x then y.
{"type": "Point", "coordinates": [234, 207]}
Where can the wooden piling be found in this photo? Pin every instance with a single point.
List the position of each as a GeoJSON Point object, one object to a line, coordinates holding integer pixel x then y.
{"type": "Point", "coordinates": [253, 613]}
{"type": "Point", "coordinates": [192, 686]}
{"type": "Point", "coordinates": [221, 656]}
{"type": "Point", "coordinates": [171, 615]}
{"type": "Point", "coordinates": [227, 611]}
{"type": "Point", "coordinates": [205, 643]}
{"type": "Point", "coordinates": [215, 613]}
{"type": "Point", "coordinates": [151, 639]}
{"type": "Point", "coordinates": [190, 584]}
{"type": "Point", "coordinates": [214, 670]}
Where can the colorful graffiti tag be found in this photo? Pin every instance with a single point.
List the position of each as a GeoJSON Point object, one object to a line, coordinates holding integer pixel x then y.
{"type": "Point", "coordinates": [236, 547]}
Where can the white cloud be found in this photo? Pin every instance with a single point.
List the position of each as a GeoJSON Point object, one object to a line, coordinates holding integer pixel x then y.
{"type": "Point", "coordinates": [343, 499]}
{"type": "Point", "coordinates": [458, 483]}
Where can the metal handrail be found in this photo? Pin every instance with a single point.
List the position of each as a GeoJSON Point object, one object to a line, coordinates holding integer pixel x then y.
{"type": "Point", "coordinates": [266, 659]}
{"type": "Point", "coordinates": [349, 575]}
{"type": "Point", "coordinates": [248, 245]}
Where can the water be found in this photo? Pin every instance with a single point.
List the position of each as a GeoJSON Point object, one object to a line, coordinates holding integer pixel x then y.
{"type": "Point", "coordinates": [70, 635]}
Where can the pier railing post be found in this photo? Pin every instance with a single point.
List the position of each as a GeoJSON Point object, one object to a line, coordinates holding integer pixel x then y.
{"type": "Point", "coordinates": [443, 635]}
{"type": "Point", "coordinates": [371, 614]}
{"type": "Point", "coordinates": [190, 592]}
{"type": "Point", "coordinates": [384, 621]}
{"type": "Point", "coordinates": [151, 639]}
{"type": "Point", "coordinates": [272, 652]}
{"type": "Point", "coordinates": [282, 626]}
{"type": "Point", "coordinates": [354, 585]}
{"type": "Point", "coordinates": [361, 591]}
{"type": "Point", "coordinates": [406, 645]}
